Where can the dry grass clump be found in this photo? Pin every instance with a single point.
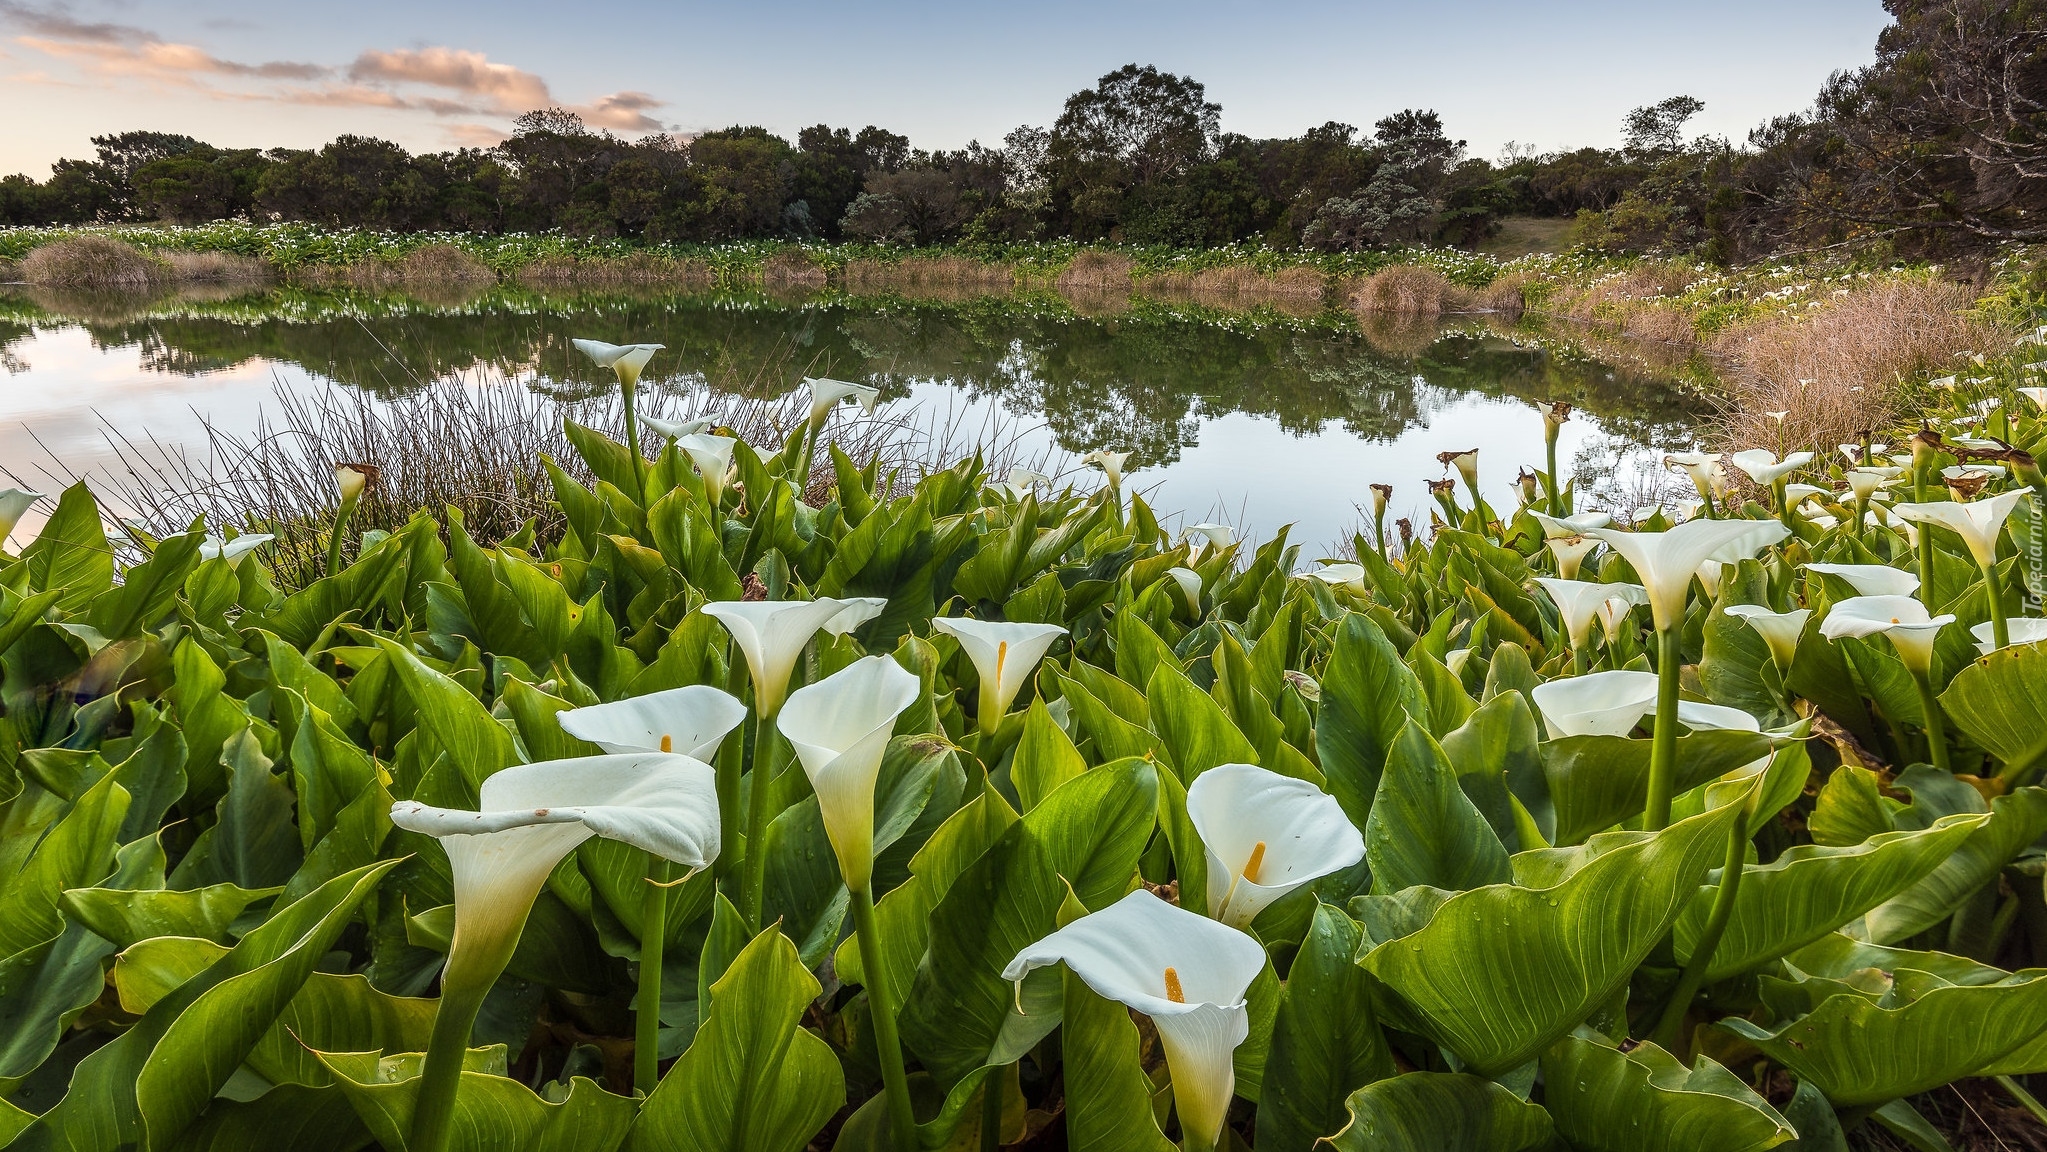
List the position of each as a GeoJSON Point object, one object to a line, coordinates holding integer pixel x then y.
{"type": "Point", "coordinates": [1399, 334]}
{"type": "Point", "coordinates": [948, 276]}
{"type": "Point", "coordinates": [1095, 272]}
{"type": "Point", "coordinates": [1299, 290]}
{"type": "Point", "coordinates": [1837, 369]}
{"type": "Point", "coordinates": [1503, 296]}
{"type": "Point", "coordinates": [792, 269]}
{"type": "Point", "coordinates": [639, 268]}
{"type": "Point", "coordinates": [215, 268]}
{"type": "Point", "coordinates": [93, 262]}
{"type": "Point", "coordinates": [1409, 290]}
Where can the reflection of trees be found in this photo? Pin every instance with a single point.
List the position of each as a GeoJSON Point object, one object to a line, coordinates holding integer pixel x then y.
{"type": "Point", "coordinates": [1143, 379]}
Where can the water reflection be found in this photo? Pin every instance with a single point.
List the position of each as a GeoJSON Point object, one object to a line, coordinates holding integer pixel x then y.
{"type": "Point", "coordinates": [1168, 379]}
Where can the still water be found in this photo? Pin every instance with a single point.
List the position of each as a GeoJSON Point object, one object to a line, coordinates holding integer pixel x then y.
{"type": "Point", "coordinates": [1257, 419]}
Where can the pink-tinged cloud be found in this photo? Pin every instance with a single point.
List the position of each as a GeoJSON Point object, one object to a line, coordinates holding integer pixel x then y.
{"type": "Point", "coordinates": [476, 135]}
{"type": "Point", "coordinates": [160, 60]}
{"type": "Point", "coordinates": [622, 110]}
{"type": "Point", "coordinates": [502, 86]}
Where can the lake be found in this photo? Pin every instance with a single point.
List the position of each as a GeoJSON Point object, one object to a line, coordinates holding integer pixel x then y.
{"type": "Point", "coordinates": [1258, 419]}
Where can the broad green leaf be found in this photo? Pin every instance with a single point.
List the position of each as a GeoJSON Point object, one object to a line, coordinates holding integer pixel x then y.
{"type": "Point", "coordinates": [1045, 757]}
{"type": "Point", "coordinates": [2000, 702]}
{"type": "Point", "coordinates": [1500, 973]}
{"type": "Point", "coordinates": [71, 553]}
{"type": "Point", "coordinates": [2016, 820]}
{"type": "Point", "coordinates": [77, 852]}
{"type": "Point", "coordinates": [1811, 890]}
{"type": "Point", "coordinates": [451, 720]}
{"type": "Point", "coordinates": [1326, 1043]}
{"type": "Point", "coordinates": [753, 1080]}
{"type": "Point", "coordinates": [1196, 733]}
{"type": "Point", "coordinates": [1108, 1097]}
{"type": "Point", "coordinates": [1645, 1100]}
{"type": "Point", "coordinates": [1094, 827]}
{"type": "Point", "coordinates": [1368, 695]}
{"type": "Point", "coordinates": [1596, 782]}
{"type": "Point", "coordinates": [492, 1111]}
{"type": "Point", "coordinates": [128, 917]}
{"type": "Point", "coordinates": [1496, 755]}
{"type": "Point", "coordinates": [1441, 1112]}
{"type": "Point", "coordinates": [208, 716]}
{"type": "Point", "coordinates": [288, 1116]}
{"type": "Point", "coordinates": [150, 1083]}
{"type": "Point", "coordinates": [1423, 830]}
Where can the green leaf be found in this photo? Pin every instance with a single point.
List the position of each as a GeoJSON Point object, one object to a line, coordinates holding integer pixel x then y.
{"type": "Point", "coordinates": [753, 1080]}
{"type": "Point", "coordinates": [1500, 973]}
{"type": "Point", "coordinates": [71, 553]}
{"type": "Point", "coordinates": [76, 852]}
{"type": "Point", "coordinates": [288, 1116]}
{"type": "Point", "coordinates": [1196, 733]}
{"type": "Point", "coordinates": [1595, 782]}
{"type": "Point", "coordinates": [1368, 696]}
{"type": "Point", "coordinates": [150, 1083]}
{"type": "Point", "coordinates": [129, 917]}
{"type": "Point", "coordinates": [1094, 827]}
{"type": "Point", "coordinates": [254, 845]}
{"type": "Point", "coordinates": [2000, 702]}
{"type": "Point", "coordinates": [1108, 1097]}
{"type": "Point", "coordinates": [2016, 820]}
{"type": "Point", "coordinates": [1326, 1043]}
{"type": "Point", "coordinates": [492, 1111]}
{"type": "Point", "coordinates": [1423, 829]}
{"type": "Point", "coordinates": [450, 720]}
{"type": "Point", "coordinates": [1045, 757]}
{"type": "Point", "coordinates": [1811, 890]}
{"type": "Point", "coordinates": [1496, 754]}
{"type": "Point", "coordinates": [1441, 1112]}
{"type": "Point", "coordinates": [1645, 1100]}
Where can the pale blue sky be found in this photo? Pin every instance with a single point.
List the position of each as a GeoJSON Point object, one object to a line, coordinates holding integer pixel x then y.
{"type": "Point", "coordinates": [434, 73]}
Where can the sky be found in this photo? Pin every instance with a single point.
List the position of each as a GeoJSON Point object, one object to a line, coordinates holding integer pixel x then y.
{"type": "Point", "coordinates": [436, 74]}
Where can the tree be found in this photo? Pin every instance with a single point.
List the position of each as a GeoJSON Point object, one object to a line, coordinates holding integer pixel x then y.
{"type": "Point", "coordinates": [1153, 123]}
{"type": "Point", "coordinates": [1659, 127]}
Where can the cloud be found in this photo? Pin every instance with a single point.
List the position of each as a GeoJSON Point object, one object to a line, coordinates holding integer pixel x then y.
{"type": "Point", "coordinates": [60, 26]}
{"type": "Point", "coordinates": [622, 110]}
{"type": "Point", "coordinates": [126, 50]}
{"type": "Point", "coordinates": [502, 87]}
{"type": "Point", "coordinates": [476, 135]}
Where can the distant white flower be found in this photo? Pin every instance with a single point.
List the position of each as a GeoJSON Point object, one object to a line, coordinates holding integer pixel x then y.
{"type": "Point", "coordinates": [1871, 579]}
{"type": "Point", "coordinates": [2023, 630]}
{"type": "Point", "coordinates": [1905, 620]}
{"type": "Point", "coordinates": [674, 429]}
{"type": "Point", "coordinates": [828, 394]}
{"type": "Point", "coordinates": [1110, 463]}
{"type": "Point", "coordinates": [233, 551]}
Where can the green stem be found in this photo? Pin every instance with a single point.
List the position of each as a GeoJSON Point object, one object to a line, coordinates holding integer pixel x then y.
{"type": "Point", "coordinates": [1663, 748]}
{"type": "Point", "coordinates": [1712, 509]}
{"type": "Point", "coordinates": [632, 443]}
{"type": "Point", "coordinates": [334, 538]}
{"type": "Point", "coordinates": [647, 1008]}
{"type": "Point", "coordinates": [731, 758]}
{"type": "Point", "coordinates": [1993, 590]}
{"type": "Point", "coordinates": [757, 816]}
{"type": "Point", "coordinates": [1556, 501]}
{"type": "Point", "coordinates": [2026, 1099]}
{"type": "Point", "coordinates": [881, 1003]}
{"type": "Point", "coordinates": [1861, 515]}
{"type": "Point", "coordinates": [991, 1111]}
{"type": "Point", "coordinates": [464, 983]}
{"type": "Point", "coordinates": [1668, 1029]}
{"type": "Point", "coordinates": [1936, 724]}
{"type": "Point", "coordinates": [1779, 497]}
{"type": "Point", "coordinates": [1578, 661]}
{"type": "Point", "coordinates": [1379, 530]}
{"type": "Point", "coordinates": [1925, 550]}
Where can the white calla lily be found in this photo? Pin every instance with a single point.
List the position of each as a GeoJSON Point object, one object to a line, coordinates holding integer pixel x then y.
{"type": "Point", "coordinates": [1184, 971]}
{"type": "Point", "coordinates": [1343, 575]}
{"type": "Point", "coordinates": [1111, 464]}
{"type": "Point", "coordinates": [713, 457]}
{"type": "Point", "coordinates": [1973, 471]}
{"type": "Point", "coordinates": [1265, 836]}
{"type": "Point", "coordinates": [840, 728]}
{"type": "Point", "coordinates": [690, 721]}
{"type": "Point", "coordinates": [1189, 583]}
{"type": "Point", "coordinates": [1871, 579]}
{"type": "Point", "coordinates": [625, 360]}
{"type": "Point", "coordinates": [1212, 535]}
{"type": "Point", "coordinates": [2024, 630]}
{"type": "Point", "coordinates": [1796, 494]}
{"type": "Point", "coordinates": [1579, 602]}
{"type": "Point", "coordinates": [14, 504]}
{"type": "Point", "coordinates": [352, 479]}
{"type": "Point", "coordinates": [771, 634]}
{"type": "Point", "coordinates": [1911, 629]}
{"type": "Point", "coordinates": [828, 394]}
{"type": "Point", "coordinates": [1601, 704]}
{"type": "Point", "coordinates": [1864, 482]}
{"type": "Point", "coordinates": [235, 550]}
{"type": "Point", "coordinates": [1667, 561]}
{"type": "Point", "coordinates": [1028, 478]}
{"type": "Point", "coordinates": [1699, 716]}
{"type": "Point", "coordinates": [1564, 527]}
{"type": "Point", "coordinates": [1763, 467]}
{"type": "Point", "coordinates": [1978, 522]}
{"type": "Point", "coordinates": [1571, 552]}
{"type": "Point", "coordinates": [2038, 396]}
{"type": "Point", "coordinates": [674, 429]}
{"type": "Point", "coordinates": [1005, 655]}
{"type": "Point", "coordinates": [1779, 630]}
{"type": "Point", "coordinates": [858, 610]}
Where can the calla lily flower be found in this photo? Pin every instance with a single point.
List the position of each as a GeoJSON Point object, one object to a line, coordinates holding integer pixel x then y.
{"type": "Point", "coordinates": [674, 429]}
{"type": "Point", "coordinates": [1186, 972]}
{"type": "Point", "coordinates": [1905, 620]}
{"type": "Point", "coordinates": [1189, 582]}
{"type": "Point", "coordinates": [1212, 535]}
{"type": "Point", "coordinates": [828, 394]}
{"type": "Point", "coordinates": [1601, 704]}
{"type": "Point", "coordinates": [1973, 471]}
{"type": "Point", "coordinates": [1871, 579]}
{"type": "Point", "coordinates": [1700, 716]}
{"type": "Point", "coordinates": [1614, 611]}
{"type": "Point", "coordinates": [713, 457]}
{"type": "Point", "coordinates": [1570, 552]}
{"type": "Point", "coordinates": [1763, 467]}
{"type": "Point", "coordinates": [1346, 575]}
{"type": "Point", "coordinates": [627, 360]}
{"type": "Point", "coordinates": [14, 504]}
{"type": "Point", "coordinates": [1864, 482]}
{"type": "Point", "coordinates": [352, 479]}
{"type": "Point", "coordinates": [1579, 602]}
{"type": "Point", "coordinates": [1667, 561]}
{"type": "Point", "coordinates": [233, 551]}
{"type": "Point", "coordinates": [859, 610]}
{"type": "Point", "coordinates": [2037, 395]}
{"type": "Point", "coordinates": [771, 635]}
{"type": "Point", "coordinates": [1796, 494]}
{"type": "Point", "coordinates": [1466, 463]}
{"type": "Point", "coordinates": [1265, 835]}
{"type": "Point", "coordinates": [1005, 655]}
{"type": "Point", "coordinates": [2024, 630]}
{"type": "Point", "coordinates": [1563, 527]}
{"type": "Point", "coordinates": [1779, 630]}
{"type": "Point", "coordinates": [1978, 522]}
{"type": "Point", "coordinates": [1702, 467]}
{"type": "Point", "coordinates": [1110, 463]}
{"type": "Point", "coordinates": [1027, 478]}
{"type": "Point", "coordinates": [691, 721]}
{"type": "Point", "coordinates": [840, 728]}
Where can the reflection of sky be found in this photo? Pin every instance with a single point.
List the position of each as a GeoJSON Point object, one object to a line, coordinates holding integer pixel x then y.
{"type": "Point", "coordinates": [1241, 469]}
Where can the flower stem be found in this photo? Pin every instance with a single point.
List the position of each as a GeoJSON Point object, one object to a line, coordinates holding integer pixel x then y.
{"type": "Point", "coordinates": [1993, 590]}
{"type": "Point", "coordinates": [1663, 747]}
{"type": "Point", "coordinates": [335, 537]}
{"type": "Point", "coordinates": [1783, 502]}
{"type": "Point", "coordinates": [433, 1114]}
{"type": "Point", "coordinates": [991, 1111]}
{"type": "Point", "coordinates": [1861, 515]}
{"type": "Point", "coordinates": [2026, 1099]}
{"type": "Point", "coordinates": [1672, 1022]}
{"type": "Point", "coordinates": [881, 1003]}
{"type": "Point", "coordinates": [1556, 501]}
{"type": "Point", "coordinates": [647, 1008]}
{"type": "Point", "coordinates": [1936, 724]}
{"type": "Point", "coordinates": [632, 443]}
{"type": "Point", "coordinates": [757, 816]}
{"type": "Point", "coordinates": [1578, 659]}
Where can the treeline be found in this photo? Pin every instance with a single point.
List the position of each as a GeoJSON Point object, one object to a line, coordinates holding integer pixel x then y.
{"type": "Point", "coordinates": [1938, 147]}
